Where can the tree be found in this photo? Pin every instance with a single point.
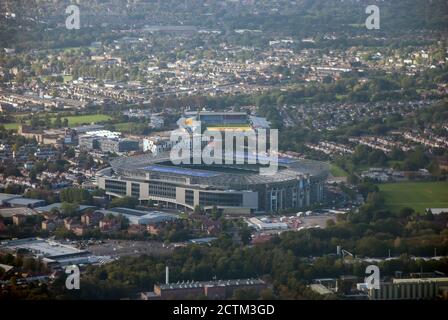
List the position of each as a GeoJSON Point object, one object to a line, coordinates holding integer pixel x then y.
{"type": "Point", "coordinates": [57, 121]}
{"type": "Point", "coordinates": [198, 210]}
{"type": "Point", "coordinates": [76, 195]}
{"type": "Point", "coordinates": [245, 294]}
{"type": "Point", "coordinates": [126, 202]}
{"type": "Point", "coordinates": [69, 209]}
{"type": "Point", "coordinates": [70, 153]}
{"type": "Point", "coordinates": [215, 213]}
{"type": "Point", "coordinates": [245, 235]}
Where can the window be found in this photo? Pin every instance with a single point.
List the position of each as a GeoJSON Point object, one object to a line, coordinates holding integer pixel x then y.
{"type": "Point", "coordinates": [161, 189]}
{"type": "Point", "coordinates": [117, 187]}
{"type": "Point", "coordinates": [135, 190]}
{"type": "Point", "coordinates": [220, 199]}
{"type": "Point", "coordinates": [189, 197]}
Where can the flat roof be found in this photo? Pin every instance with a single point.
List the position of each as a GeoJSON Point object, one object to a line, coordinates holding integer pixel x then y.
{"type": "Point", "coordinates": [86, 128]}
{"type": "Point", "coordinates": [437, 210]}
{"type": "Point", "coordinates": [213, 113]}
{"type": "Point", "coordinates": [262, 158]}
{"type": "Point", "coordinates": [24, 201]}
{"type": "Point", "coordinates": [188, 172]}
{"type": "Point", "coordinates": [320, 289]}
{"type": "Point", "coordinates": [47, 248]}
{"type": "Point", "coordinates": [9, 212]}
{"type": "Point", "coordinates": [6, 196]}
{"type": "Point", "coordinates": [58, 205]}
{"type": "Point", "coordinates": [214, 283]}
{"type": "Point", "coordinates": [203, 240]}
{"type": "Point", "coordinates": [140, 213]}
{"type": "Point", "coordinates": [417, 280]}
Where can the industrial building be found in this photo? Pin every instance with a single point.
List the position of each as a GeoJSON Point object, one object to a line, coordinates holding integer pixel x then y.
{"type": "Point", "coordinates": [58, 205]}
{"type": "Point", "coordinates": [411, 289]}
{"type": "Point", "coordinates": [217, 289]}
{"type": "Point", "coordinates": [264, 224]}
{"type": "Point", "coordinates": [53, 254]}
{"type": "Point", "coordinates": [107, 141]}
{"type": "Point", "coordinates": [138, 217]}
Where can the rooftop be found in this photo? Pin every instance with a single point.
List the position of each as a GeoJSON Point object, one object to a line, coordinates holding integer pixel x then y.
{"type": "Point", "coordinates": [47, 248]}
{"type": "Point", "coordinates": [58, 205]}
{"type": "Point", "coordinates": [419, 280]}
{"type": "Point", "coordinates": [24, 201]}
{"type": "Point", "coordinates": [214, 283]}
{"type": "Point", "coordinates": [9, 212]}
{"type": "Point", "coordinates": [6, 196]}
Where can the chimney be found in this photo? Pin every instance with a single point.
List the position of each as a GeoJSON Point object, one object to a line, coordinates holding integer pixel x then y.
{"type": "Point", "coordinates": [167, 275]}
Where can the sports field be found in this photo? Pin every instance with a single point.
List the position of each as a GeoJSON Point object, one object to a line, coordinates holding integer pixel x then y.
{"type": "Point", "coordinates": [73, 121]}
{"type": "Point", "coordinates": [416, 195]}
{"type": "Point", "coordinates": [85, 119]}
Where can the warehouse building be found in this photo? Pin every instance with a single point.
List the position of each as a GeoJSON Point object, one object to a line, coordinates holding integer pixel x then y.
{"type": "Point", "coordinates": [53, 254]}
{"type": "Point", "coordinates": [138, 217]}
{"type": "Point", "coordinates": [217, 289]}
{"type": "Point", "coordinates": [411, 289]}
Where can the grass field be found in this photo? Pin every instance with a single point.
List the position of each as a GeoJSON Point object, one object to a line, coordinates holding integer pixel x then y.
{"type": "Point", "coordinates": [11, 126]}
{"type": "Point", "coordinates": [416, 195]}
{"type": "Point", "coordinates": [68, 78]}
{"type": "Point", "coordinates": [72, 120]}
{"type": "Point", "coordinates": [337, 172]}
{"type": "Point", "coordinates": [85, 119]}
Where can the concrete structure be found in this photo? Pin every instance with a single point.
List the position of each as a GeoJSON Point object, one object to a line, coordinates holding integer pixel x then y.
{"type": "Point", "coordinates": [410, 289]}
{"type": "Point", "coordinates": [263, 224]}
{"type": "Point", "coordinates": [118, 145]}
{"type": "Point", "coordinates": [437, 210]}
{"type": "Point", "coordinates": [157, 144]}
{"type": "Point", "coordinates": [232, 188]}
{"type": "Point", "coordinates": [219, 289]}
{"type": "Point", "coordinates": [25, 202]}
{"type": "Point", "coordinates": [107, 141]}
{"type": "Point", "coordinates": [58, 206]}
{"type": "Point", "coordinates": [138, 217]}
{"type": "Point", "coordinates": [52, 253]}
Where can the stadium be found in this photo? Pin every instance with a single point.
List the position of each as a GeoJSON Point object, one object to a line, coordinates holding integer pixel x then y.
{"type": "Point", "coordinates": [231, 188]}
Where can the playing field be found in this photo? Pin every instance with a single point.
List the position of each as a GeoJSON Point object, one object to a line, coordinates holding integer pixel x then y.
{"type": "Point", "coordinates": [11, 126]}
{"type": "Point", "coordinates": [73, 121]}
{"type": "Point", "coordinates": [416, 195]}
{"type": "Point", "coordinates": [85, 119]}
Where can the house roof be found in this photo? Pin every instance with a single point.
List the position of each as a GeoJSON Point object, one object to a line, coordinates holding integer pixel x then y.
{"type": "Point", "coordinates": [9, 212]}
{"type": "Point", "coordinates": [24, 201]}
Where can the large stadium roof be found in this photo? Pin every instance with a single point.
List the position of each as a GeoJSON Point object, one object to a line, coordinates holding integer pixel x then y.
{"type": "Point", "coordinates": [221, 176]}
{"type": "Point", "coordinates": [180, 170]}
